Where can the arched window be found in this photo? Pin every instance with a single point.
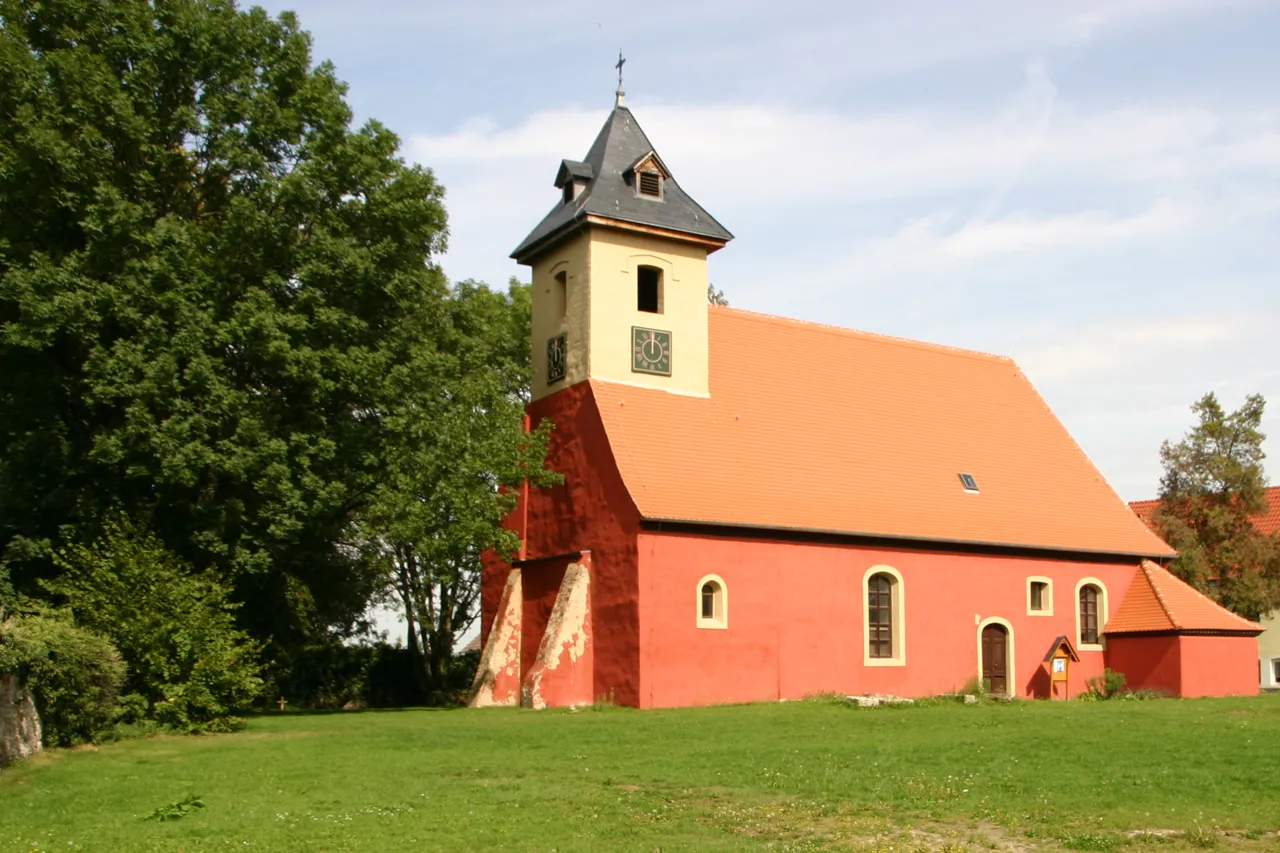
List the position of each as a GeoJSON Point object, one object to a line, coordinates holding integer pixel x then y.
{"type": "Point", "coordinates": [1088, 614]}
{"type": "Point", "coordinates": [560, 296]}
{"type": "Point", "coordinates": [649, 289]}
{"type": "Point", "coordinates": [1091, 614]}
{"type": "Point", "coordinates": [880, 616]}
{"type": "Point", "coordinates": [713, 602]}
{"type": "Point", "coordinates": [884, 626]}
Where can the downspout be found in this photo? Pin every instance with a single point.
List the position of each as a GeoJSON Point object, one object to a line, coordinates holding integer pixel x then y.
{"type": "Point", "coordinates": [524, 507]}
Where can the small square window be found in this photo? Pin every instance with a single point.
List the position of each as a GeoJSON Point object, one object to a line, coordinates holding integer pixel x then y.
{"type": "Point", "coordinates": [970, 484]}
{"type": "Point", "coordinates": [1275, 671]}
{"type": "Point", "coordinates": [1037, 594]}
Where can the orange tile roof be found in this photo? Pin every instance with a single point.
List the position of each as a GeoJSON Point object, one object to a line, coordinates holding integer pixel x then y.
{"type": "Point", "coordinates": [1267, 521]}
{"type": "Point", "coordinates": [1158, 601]}
{"type": "Point", "coordinates": [814, 427]}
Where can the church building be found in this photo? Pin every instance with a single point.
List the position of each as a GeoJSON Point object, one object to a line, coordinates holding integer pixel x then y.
{"type": "Point", "coordinates": [758, 508]}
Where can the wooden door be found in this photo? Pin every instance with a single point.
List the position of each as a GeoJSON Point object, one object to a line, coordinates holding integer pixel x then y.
{"type": "Point", "coordinates": [995, 642]}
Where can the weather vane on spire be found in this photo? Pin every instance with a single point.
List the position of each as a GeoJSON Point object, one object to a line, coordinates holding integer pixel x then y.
{"type": "Point", "coordinates": [622, 96]}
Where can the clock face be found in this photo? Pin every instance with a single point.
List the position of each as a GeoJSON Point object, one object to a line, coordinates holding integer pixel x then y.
{"type": "Point", "coordinates": [650, 351]}
{"type": "Point", "coordinates": [555, 359]}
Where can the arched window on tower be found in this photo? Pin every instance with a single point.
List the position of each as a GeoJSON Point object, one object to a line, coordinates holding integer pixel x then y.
{"type": "Point", "coordinates": [560, 297]}
{"type": "Point", "coordinates": [649, 290]}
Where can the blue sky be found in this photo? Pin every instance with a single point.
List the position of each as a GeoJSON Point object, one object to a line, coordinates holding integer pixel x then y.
{"type": "Point", "coordinates": [1090, 187]}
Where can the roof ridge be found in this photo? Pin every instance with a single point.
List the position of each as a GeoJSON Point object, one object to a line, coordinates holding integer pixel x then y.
{"type": "Point", "coordinates": [914, 343]}
{"type": "Point", "coordinates": [1155, 588]}
{"type": "Point", "coordinates": [1265, 490]}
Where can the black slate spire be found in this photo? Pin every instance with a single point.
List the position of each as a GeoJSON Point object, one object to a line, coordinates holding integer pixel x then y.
{"type": "Point", "coordinates": [610, 192]}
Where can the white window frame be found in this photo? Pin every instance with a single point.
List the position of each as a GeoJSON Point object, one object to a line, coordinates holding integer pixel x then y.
{"type": "Point", "coordinates": [720, 610]}
{"type": "Point", "coordinates": [1103, 614]}
{"type": "Point", "coordinates": [1046, 599]}
{"type": "Point", "coordinates": [898, 610]}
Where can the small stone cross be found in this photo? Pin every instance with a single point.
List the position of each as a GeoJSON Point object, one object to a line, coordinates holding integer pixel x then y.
{"type": "Point", "coordinates": [281, 703]}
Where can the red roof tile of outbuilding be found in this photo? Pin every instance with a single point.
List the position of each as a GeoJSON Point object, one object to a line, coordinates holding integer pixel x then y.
{"type": "Point", "coordinates": [818, 428]}
{"type": "Point", "coordinates": [1267, 521]}
{"type": "Point", "coordinates": [1158, 601]}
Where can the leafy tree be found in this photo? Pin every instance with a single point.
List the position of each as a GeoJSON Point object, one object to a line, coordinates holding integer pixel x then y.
{"type": "Point", "coordinates": [206, 276]}
{"type": "Point", "coordinates": [1213, 484]}
{"type": "Point", "coordinates": [716, 297]}
{"type": "Point", "coordinates": [458, 447]}
{"type": "Point", "coordinates": [175, 629]}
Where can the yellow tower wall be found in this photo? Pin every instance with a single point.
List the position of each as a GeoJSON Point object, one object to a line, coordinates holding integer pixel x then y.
{"type": "Point", "coordinates": [601, 272]}
{"type": "Point", "coordinates": [570, 257]}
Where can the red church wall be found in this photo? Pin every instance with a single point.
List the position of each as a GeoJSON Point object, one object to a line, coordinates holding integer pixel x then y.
{"type": "Point", "coordinates": [541, 582]}
{"type": "Point", "coordinates": [1219, 666]}
{"type": "Point", "coordinates": [1186, 665]}
{"type": "Point", "coordinates": [591, 511]}
{"type": "Point", "coordinates": [1148, 662]}
{"type": "Point", "coordinates": [796, 614]}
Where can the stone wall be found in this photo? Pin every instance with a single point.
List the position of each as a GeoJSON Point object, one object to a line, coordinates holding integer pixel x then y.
{"type": "Point", "coordinates": [19, 722]}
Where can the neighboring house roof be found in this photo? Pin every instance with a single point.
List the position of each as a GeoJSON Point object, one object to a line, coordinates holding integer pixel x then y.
{"type": "Point", "coordinates": [816, 428]}
{"type": "Point", "coordinates": [1267, 521]}
{"type": "Point", "coordinates": [620, 145]}
{"type": "Point", "coordinates": [1158, 601]}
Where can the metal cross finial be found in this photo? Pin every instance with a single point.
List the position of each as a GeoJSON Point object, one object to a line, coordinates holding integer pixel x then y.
{"type": "Point", "coordinates": [622, 96]}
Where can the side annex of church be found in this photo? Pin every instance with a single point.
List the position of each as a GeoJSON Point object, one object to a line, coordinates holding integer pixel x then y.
{"type": "Point", "coordinates": [757, 508]}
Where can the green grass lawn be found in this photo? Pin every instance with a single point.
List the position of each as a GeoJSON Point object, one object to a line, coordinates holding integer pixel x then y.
{"type": "Point", "coordinates": [792, 776]}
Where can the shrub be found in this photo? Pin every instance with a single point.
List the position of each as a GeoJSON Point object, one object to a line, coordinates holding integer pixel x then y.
{"type": "Point", "coordinates": [175, 629]}
{"type": "Point", "coordinates": [1107, 685]}
{"type": "Point", "coordinates": [74, 675]}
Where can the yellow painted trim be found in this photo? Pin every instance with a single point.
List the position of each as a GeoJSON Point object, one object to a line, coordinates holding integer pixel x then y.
{"type": "Point", "coordinates": [1010, 670]}
{"type": "Point", "coordinates": [1047, 611]}
{"type": "Point", "coordinates": [721, 619]}
{"type": "Point", "coordinates": [1104, 613]}
{"type": "Point", "coordinates": [898, 608]}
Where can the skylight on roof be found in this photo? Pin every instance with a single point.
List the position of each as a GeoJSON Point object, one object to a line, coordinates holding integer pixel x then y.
{"type": "Point", "coordinates": [970, 484]}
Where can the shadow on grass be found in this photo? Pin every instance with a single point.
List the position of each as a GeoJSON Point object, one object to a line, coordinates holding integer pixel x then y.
{"type": "Point", "coordinates": [269, 714]}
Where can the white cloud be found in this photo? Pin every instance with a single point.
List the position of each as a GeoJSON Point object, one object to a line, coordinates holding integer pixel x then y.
{"type": "Point", "coordinates": [760, 163]}
{"type": "Point", "coordinates": [1124, 385]}
{"type": "Point", "coordinates": [1024, 233]}
{"type": "Point", "coordinates": [1133, 345]}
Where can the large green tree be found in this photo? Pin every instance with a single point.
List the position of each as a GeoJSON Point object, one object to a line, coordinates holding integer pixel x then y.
{"type": "Point", "coordinates": [457, 449]}
{"type": "Point", "coordinates": [206, 277]}
{"type": "Point", "coordinates": [1213, 486]}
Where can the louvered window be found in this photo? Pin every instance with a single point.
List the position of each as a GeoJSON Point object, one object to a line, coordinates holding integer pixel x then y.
{"type": "Point", "coordinates": [651, 184]}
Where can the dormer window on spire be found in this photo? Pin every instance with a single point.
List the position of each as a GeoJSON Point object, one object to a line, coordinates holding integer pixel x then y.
{"type": "Point", "coordinates": [572, 178]}
{"type": "Point", "coordinates": [647, 176]}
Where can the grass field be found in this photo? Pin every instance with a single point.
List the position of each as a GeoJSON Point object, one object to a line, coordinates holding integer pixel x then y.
{"type": "Point", "coordinates": [1163, 775]}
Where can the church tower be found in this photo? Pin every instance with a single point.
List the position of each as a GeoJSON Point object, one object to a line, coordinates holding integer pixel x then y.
{"type": "Point", "coordinates": [620, 270]}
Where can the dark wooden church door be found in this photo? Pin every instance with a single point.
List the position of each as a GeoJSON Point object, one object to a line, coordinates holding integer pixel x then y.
{"type": "Point", "coordinates": [994, 654]}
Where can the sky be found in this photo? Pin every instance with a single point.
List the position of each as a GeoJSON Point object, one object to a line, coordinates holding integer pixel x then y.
{"type": "Point", "coordinates": [1092, 188]}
